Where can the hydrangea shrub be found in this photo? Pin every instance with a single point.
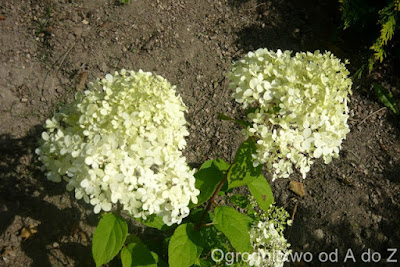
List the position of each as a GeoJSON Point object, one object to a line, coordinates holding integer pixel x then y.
{"type": "Point", "coordinates": [298, 106]}
{"type": "Point", "coordinates": [121, 141]}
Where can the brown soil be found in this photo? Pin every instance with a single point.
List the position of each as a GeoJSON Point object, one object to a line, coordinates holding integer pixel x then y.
{"type": "Point", "coordinates": [51, 48]}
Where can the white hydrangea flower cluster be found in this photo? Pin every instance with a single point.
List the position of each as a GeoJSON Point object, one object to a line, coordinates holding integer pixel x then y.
{"type": "Point", "coordinates": [300, 107]}
{"type": "Point", "coordinates": [266, 236]}
{"type": "Point", "coordinates": [121, 142]}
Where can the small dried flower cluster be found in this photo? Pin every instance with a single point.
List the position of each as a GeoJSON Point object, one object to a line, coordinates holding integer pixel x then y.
{"type": "Point", "coordinates": [121, 142]}
{"type": "Point", "coordinates": [299, 107]}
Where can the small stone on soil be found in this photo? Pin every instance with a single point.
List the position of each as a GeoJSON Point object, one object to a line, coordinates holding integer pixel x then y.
{"type": "Point", "coordinates": [319, 234]}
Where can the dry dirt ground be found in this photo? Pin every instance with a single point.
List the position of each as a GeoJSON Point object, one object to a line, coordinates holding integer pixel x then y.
{"type": "Point", "coordinates": [51, 48]}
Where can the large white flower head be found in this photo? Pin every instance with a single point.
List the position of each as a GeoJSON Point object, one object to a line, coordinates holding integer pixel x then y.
{"type": "Point", "coordinates": [266, 236]}
{"type": "Point", "coordinates": [121, 142]}
{"type": "Point", "coordinates": [299, 107]}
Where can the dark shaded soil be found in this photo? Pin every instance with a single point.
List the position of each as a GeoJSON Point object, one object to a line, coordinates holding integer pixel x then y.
{"type": "Point", "coordinates": [50, 49]}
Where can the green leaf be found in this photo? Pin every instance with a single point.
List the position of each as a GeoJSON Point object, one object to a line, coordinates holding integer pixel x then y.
{"type": "Point", "coordinates": [154, 221]}
{"type": "Point", "coordinates": [371, 62]}
{"type": "Point", "coordinates": [251, 110]}
{"type": "Point", "coordinates": [358, 74]}
{"type": "Point", "coordinates": [204, 263]}
{"type": "Point", "coordinates": [235, 226]}
{"type": "Point", "coordinates": [243, 172]}
{"type": "Point", "coordinates": [160, 262]}
{"type": "Point", "coordinates": [224, 117]}
{"type": "Point", "coordinates": [137, 254]}
{"type": "Point", "coordinates": [242, 123]}
{"type": "Point", "coordinates": [225, 189]}
{"type": "Point", "coordinates": [386, 97]}
{"type": "Point", "coordinates": [195, 215]}
{"type": "Point", "coordinates": [240, 264]}
{"type": "Point", "coordinates": [262, 192]}
{"type": "Point", "coordinates": [207, 180]}
{"type": "Point", "coordinates": [239, 200]}
{"type": "Point", "coordinates": [213, 239]}
{"type": "Point", "coordinates": [108, 238]}
{"type": "Point", "coordinates": [183, 248]}
{"type": "Point", "coordinates": [220, 164]}
{"type": "Point", "coordinates": [207, 164]}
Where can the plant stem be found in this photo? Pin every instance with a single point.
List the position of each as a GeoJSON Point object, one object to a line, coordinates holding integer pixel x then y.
{"type": "Point", "coordinates": [119, 208]}
{"type": "Point", "coordinates": [206, 224]}
{"type": "Point", "coordinates": [214, 196]}
{"type": "Point", "coordinates": [212, 199]}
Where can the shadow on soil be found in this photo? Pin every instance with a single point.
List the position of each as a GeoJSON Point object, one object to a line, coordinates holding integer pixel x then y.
{"type": "Point", "coordinates": [23, 193]}
{"type": "Point", "coordinates": [292, 25]}
{"type": "Point", "coordinates": [354, 245]}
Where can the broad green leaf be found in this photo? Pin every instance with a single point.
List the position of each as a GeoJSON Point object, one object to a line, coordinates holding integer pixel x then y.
{"type": "Point", "coordinates": [241, 263]}
{"type": "Point", "coordinates": [220, 164]}
{"type": "Point", "coordinates": [243, 172]}
{"type": "Point", "coordinates": [211, 214]}
{"type": "Point", "coordinates": [242, 123]}
{"type": "Point", "coordinates": [239, 200]}
{"type": "Point", "coordinates": [137, 254]}
{"type": "Point", "coordinates": [213, 239]}
{"type": "Point", "coordinates": [151, 244]}
{"type": "Point", "coordinates": [251, 110]}
{"type": "Point", "coordinates": [206, 164]}
{"type": "Point", "coordinates": [252, 214]}
{"type": "Point", "coordinates": [131, 238]}
{"type": "Point", "coordinates": [108, 238]}
{"type": "Point", "coordinates": [195, 215]}
{"type": "Point", "coordinates": [160, 262]}
{"type": "Point", "coordinates": [225, 189]}
{"type": "Point", "coordinates": [183, 249]}
{"type": "Point", "coordinates": [207, 180]}
{"type": "Point", "coordinates": [386, 97]}
{"type": "Point", "coordinates": [204, 263]}
{"type": "Point", "coordinates": [235, 226]}
{"type": "Point", "coordinates": [262, 192]}
{"type": "Point", "coordinates": [154, 221]}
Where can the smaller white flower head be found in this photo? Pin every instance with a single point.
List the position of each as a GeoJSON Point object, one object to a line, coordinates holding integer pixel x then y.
{"type": "Point", "coordinates": [266, 236]}
{"type": "Point", "coordinates": [300, 106]}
